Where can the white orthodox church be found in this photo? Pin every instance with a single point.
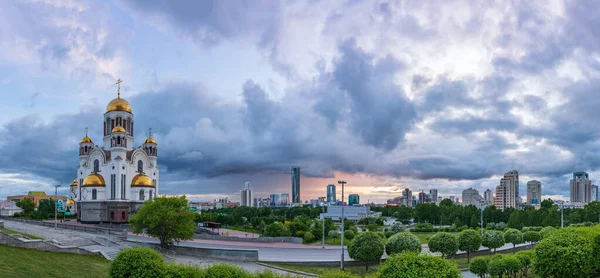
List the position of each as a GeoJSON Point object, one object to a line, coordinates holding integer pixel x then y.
{"type": "Point", "coordinates": [114, 179]}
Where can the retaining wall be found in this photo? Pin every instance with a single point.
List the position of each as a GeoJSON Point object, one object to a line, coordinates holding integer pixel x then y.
{"type": "Point", "coordinates": [223, 254]}
{"type": "Point", "coordinates": [16, 241]}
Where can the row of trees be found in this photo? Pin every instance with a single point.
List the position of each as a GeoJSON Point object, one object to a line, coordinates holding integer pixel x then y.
{"type": "Point", "coordinates": [44, 210]}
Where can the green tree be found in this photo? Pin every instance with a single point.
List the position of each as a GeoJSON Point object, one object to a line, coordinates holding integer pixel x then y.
{"type": "Point", "coordinates": [469, 241]}
{"type": "Point", "coordinates": [397, 227]}
{"type": "Point", "coordinates": [479, 266]}
{"type": "Point", "coordinates": [45, 209]}
{"type": "Point", "coordinates": [404, 214]}
{"type": "Point", "coordinates": [308, 237]}
{"type": "Point", "coordinates": [137, 262]}
{"type": "Point", "coordinates": [544, 232]}
{"type": "Point", "coordinates": [366, 247]}
{"type": "Point", "coordinates": [513, 236]}
{"type": "Point", "coordinates": [497, 266]}
{"type": "Point", "coordinates": [374, 228]}
{"type": "Point", "coordinates": [412, 265]}
{"type": "Point", "coordinates": [526, 258]}
{"type": "Point", "coordinates": [532, 236]}
{"type": "Point", "coordinates": [275, 230]}
{"type": "Point", "coordinates": [27, 205]}
{"type": "Point", "coordinates": [401, 242]}
{"type": "Point", "coordinates": [512, 265]}
{"type": "Point", "coordinates": [568, 252]}
{"type": "Point", "coordinates": [166, 218]}
{"type": "Point", "coordinates": [333, 234]}
{"type": "Point", "coordinates": [445, 243]}
{"type": "Point", "coordinates": [492, 239]}
{"type": "Point", "coordinates": [349, 234]}
{"type": "Point", "coordinates": [457, 223]}
{"type": "Point", "coordinates": [474, 221]}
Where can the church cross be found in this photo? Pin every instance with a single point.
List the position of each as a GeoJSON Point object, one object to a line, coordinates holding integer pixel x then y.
{"type": "Point", "coordinates": [150, 132]}
{"type": "Point", "coordinates": [86, 131]}
{"type": "Point", "coordinates": [119, 81]}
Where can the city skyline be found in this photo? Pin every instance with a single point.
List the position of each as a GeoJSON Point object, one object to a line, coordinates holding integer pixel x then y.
{"type": "Point", "coordinates": [426, 99]}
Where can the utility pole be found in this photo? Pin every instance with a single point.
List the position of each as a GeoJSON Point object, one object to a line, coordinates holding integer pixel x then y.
{"type": "Point", "coordinates": [481, 210]}
{"type": "Point", "coordinates": [56, 205]}
{"type": "Point", "coordinates": [342, 259]}
{"type": "Point", "coordinates": [562, 218]}
{"type": "Point", "coordinates": [323, 220]}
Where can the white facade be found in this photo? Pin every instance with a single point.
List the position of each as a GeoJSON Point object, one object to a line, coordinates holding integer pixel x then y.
{"type": "Point", "coordinates": [353, 213]}
{"type": "Point", "coordinates": [594, 193]}
{"type": "Point", "coordinates": [471, 197]}
{"type": "Point", "coordinates": [114, 179]}
{"type": "Point", "coordinates": [246, 195]}
{"type": "Point", "coordinates": [507, 193]}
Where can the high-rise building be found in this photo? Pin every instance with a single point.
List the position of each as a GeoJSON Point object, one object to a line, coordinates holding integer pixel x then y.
{"type": "Point", "coordinates": [295, 184]}
{"type": "Point", "coordinates": [275, 200]}
{"type": "Point", "coordinates": [488, 196]}
{"type": "Point", "coordinates": [285, 199]}
{"type": "Point", "coordinates": [581, 188]}
{"type": "Point", "coordinates": [595, 193]}
{"type": "Point", "coordinates": [534, 192]}
{"type": "Point", "coordinates": [353, 199]}
{"type": "Point", "coordinates": [422, 197]}
{"type": "Point", "coordinates": [471, 197]}
{"type": "Point", "coordinates": [246, 195]}
{"type": "Point", "coordinates": [408, 197]}
{"type": "Point", "coordinates": [331, 194]}
{"type": "Point", "coordinates": [507, 193]}
{"type": "Point", "coordinates": [452, 198]}
{"type": "Point", "coordinates": [433, 195]}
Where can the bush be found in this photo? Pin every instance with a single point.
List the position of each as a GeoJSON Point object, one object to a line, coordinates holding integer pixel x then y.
{"type": "Point", "coordinates": [544, 232]}
{"type": "Point", "coordinates": [403, 241]}
{"type": "Point", "coordinates": [497, 266]}
{"type": "Point", "coordinates": [513, 236]}
{"type": "Point", "coordinates": [275, 230]}
{"type": "Point", "coordinates": [349, 234]}
{"type": "Point", "coordinates": [308, 237]}
{"type": "Point", "coordinates": [469, 241]}
{"type": "Point", "coordinates": [526, 258]}
{"type": "Point", "coordinates": [444, 243]}
{"type": "Point", "coordinates": [423, 228]}
{"type": "Point", "coordinates": [381, 235]}
{"type": "Point", "coordinates": [413, 265]}
{"type": "Point", "coordinates": [225, 270]}
{"type": "Point", "coordinates": [374, 228]}
{"type": "Point", "coordinates": [300, 233]}
{"type": "Point", "coordinates": [137, 262]}
{"type": "Point", "coordinates": [397, 227]}
{"type": "Point", "coordinates": [389, 234]}
{"type": "Point", "coordinates": [479, 266]}
{"type": "Point", "coordinates": [568, 252]}
{"type": "Point", "coordinates": [337, 274]}
{"type": "Point", "coordinates": [492, 239]}
{"type": "Point", "coordinates": [183, 271]}
{"type": "Point", "coordinates": [512, 265]}
{"type": "Point", "coordinates": [366, 247]}
{"type": "Point", "coordinates": [532, 236]}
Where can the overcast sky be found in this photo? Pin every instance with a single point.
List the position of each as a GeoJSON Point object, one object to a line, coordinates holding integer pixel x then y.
{"type": "Point", "coordinates": [386, 95]}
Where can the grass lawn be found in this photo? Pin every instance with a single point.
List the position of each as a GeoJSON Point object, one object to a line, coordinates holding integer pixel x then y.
{"type": "Point", "coordinates": [424, 237]}
{"type": "Point", "coordinates": [8, 231]}
{"type": "Point", "coordinates": [354, 269]}
{"type": "Point", "coordinates": [20, 262]}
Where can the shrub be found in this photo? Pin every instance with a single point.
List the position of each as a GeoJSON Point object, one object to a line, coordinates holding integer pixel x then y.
{"type": "Point", "coordinates": [497, 266]}
{"type": "Point", "coordinates": [512, 265]}
{"type": "Point", "coordinates": [544, 232]}
{"type": "Point", "coordinates": [389, 234]}
{"type": "Point", "coordinates": [513, 236]}
{"type": "Point", "coordinates": [349, 234]}
{"type": "Point", "coordinates": [403, 241]}
{"type": "Point", "coordinates": [308, 237]}
{"type": "Point", "coordinates": [493, 239]}
{"type": "Point", "coordinates": [526, 258]}
{"type": "Point", "coordinates": [444, 243]}
{"type": "Point", "coordinates": [413, 265]}
{"type": "Point", "coordinates": [397, 227]}
{"type": "Point", "coordinates": [469, 241]}
{"type": "Point", "coordinates": [568, 252]}
{"type": "Point", "coordinates": [532, 236]}
{"type": "Point", "coordinates": [381, 235]}
{"type": "Point", "coordinates": [337, 274]}
{"type": "Point", "coordinates": [423, 228]}
{"type": "Point", "coordinates": [183, 271]}
{"type": "Point", "coordinates": [479, 266]}
{"type": "Point", "coordinates": [300, 233]}
{"type": "Point", "coordinates": [446, 229]}
{"type": "Point", "coordinates": [374, 228]}
{"type": "Point", "coordinates": [225, 270]}
{"type": "Point", "coordinates": [366, 247]}
{"type": "Point", "coordinates": [137, 262]}
{"type": "Point", "coordinates": [275, 230]}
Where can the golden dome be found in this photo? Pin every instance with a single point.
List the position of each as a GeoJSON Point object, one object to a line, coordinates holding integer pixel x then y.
{"type": "Point", "coordinates": [86, 139]}
{"type": "Point", "coordinates": [118, 104]}
{"type": "Point", "coordinates": [74, 183]}
{"type": "Point", "coordinates": [118, 128]}
{"type": "Point", "coordinates": [141, 180]}
{"type": "Point", "coordinates": [70, 202]}
{"type": "Point", "coordinates": [150, 140]}
{"type": "Point", "coordinates": [94, 179]}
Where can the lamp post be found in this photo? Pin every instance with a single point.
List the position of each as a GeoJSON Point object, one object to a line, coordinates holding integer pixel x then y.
{"type": "Point", "coordinates": [323, 220]}
{"type": "Point", "coordinates": [562, 218]}
{"type": "Point", "coordinates": [55, 205]}
{"type": "Point", "coordinates": [342, 260]}
{"type": "Point", "coordinates": [481, 209]}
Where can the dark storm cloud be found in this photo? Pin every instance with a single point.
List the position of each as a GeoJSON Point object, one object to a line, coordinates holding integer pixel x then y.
{"type": "Point", "coordinates": [443, 167]}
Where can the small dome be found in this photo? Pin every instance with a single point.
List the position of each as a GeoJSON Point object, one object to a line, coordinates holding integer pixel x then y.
{"type": "Point", "coordinates": [141, 180]}
{"type": "Point", "coordinates": [86, 139]}
{"type": "Point", "coordinates": [94, 179]}
{"type": "Point", "coordinates": [150, 140]}
{"type": "Point", "coordinates": [118, 104]}
{"type": "Point", "coordinates": [70, 202]}
{"type": "Point", "coordinates": [74, 183]}
{"type": "Point", "coordinates": [118, 128]}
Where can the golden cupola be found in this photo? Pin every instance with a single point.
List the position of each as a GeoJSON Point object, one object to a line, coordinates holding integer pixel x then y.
{"type": "Point", "coordinates": [118, 128]}
{"type": "Point", "coordinates": [86, 139]}
{"type": "Point", "coordinates": [150, 140]}
{"type": "Point", "coordinates": [141, 180]}
{"type": "Point", "coordinates": [74, 183]}
{"type": "Point", "coordinates": [118, 104]}
{"type": "Point", "coordinates": [94, 179]}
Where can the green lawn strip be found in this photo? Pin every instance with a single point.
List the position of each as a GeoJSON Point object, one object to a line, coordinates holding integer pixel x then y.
{"type": "Point", "coordinates": [9, 231]}
{"type": "Point", "coordinates": [20, 262]}
{"type": "Point", "coordinates": [319, 270]}
{"type": "Point", "coordinates": [424, 237]}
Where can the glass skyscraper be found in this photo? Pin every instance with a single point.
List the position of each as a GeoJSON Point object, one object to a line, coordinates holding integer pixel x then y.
{"type": "Point", "coordinates": [353, 199]}
{"type": "Point", "coordinates": [331, 193]}
{"type": "Point", "coordinates": [295, 184]}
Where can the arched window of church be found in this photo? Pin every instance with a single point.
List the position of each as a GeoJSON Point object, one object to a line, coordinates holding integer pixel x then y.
{"type": "Point", "coordinates": [142, 197]}
{"type": "Point", "coordinates": [129, 126]}
{"type": "Point", "coordinates": [94, 194]}
{"type": "Point", "coordinates": [140, 166]}
{"type": "Point", "coordinates": [96, 165]}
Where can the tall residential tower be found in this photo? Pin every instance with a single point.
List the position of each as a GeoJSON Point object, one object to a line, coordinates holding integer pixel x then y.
{"type": "Point", "coordinates": [581, 188]}
{"type": "Point", "coordinates": [295, 184]}
{"type": "Point", "coordinates": [534, 192]}
{"type": "Point", "coordinates": [331, 193]}
{"type": "Point", "coordinates": [507, 193]}
{"type": "Point", "coordinates": [246, 195]}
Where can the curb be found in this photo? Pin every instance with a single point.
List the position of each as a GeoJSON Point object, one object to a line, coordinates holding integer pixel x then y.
{"type": "Point", "coordinates": [287, 270]}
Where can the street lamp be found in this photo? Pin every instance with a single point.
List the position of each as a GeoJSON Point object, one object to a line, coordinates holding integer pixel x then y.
{"type": "Point", "coordinates": [562, 218]}
{"type": "Point", "coordinates": [323, 220]}
{"type": "Point", "coordinates": [342, 260]}
{"type": "Point", "coordinates": [56, 205]}
{"type": "Point", "coordinates": [481, 209]}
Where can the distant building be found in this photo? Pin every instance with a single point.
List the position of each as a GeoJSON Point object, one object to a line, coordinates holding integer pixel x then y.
{"type": "Point", "coordinates": [488, 196]}
{"type": "Point", "coordinates": [295, 184]}
{"type": "Point", "coordinates": [452, 198]}
{"type": "Point", "coordinates": [246, 195]}
{"type": "Point", "coordinates": [422, 197]}
{"type": "Point", "coordinates": [322, 199]}
{"type": "Point", "coordinates": [353, 199]}
{"type": "Point", "coordinates": [581, 188]}
{"type": "Point", "coordinates": [353, 213]}
{"type": "Point", "coordinates": [7, 203]}
{"type": "Point", "coordinates": [507, 193]}
{"type": "Point", "coordinates": [331, 198]}
{"type": "Point", "coordinates": [471, 197]}
{"type": "Point", "coordinates": [285, 199]}
{"type": "Point", "coordinates": [35, 196]}
{"type": "Point", "coordinates": [433, 195]}
{"type": "Point", "coordinates": [10, 210]}
{"type": "Point", "coordinates": [595, 193]}
{"type": "Point", "coordinates": [408, 197]}
{"type": "Point", "coordinates": [534, 192]}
